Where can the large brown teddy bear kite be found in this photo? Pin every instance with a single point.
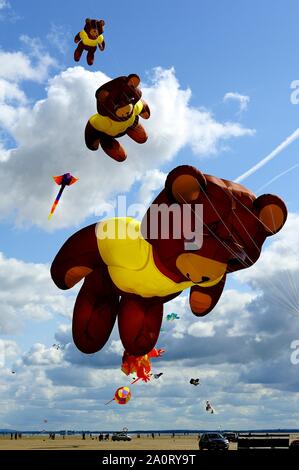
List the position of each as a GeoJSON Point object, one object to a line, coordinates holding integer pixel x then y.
{"type": "Point", "coordinates": [89, 38]}
{"type": "Point", "coordinates": [119, 106]}
{"type": "Point", "coordinates": [132, 269]}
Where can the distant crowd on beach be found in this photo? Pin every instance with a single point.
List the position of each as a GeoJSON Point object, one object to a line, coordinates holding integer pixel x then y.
{"type": "Point", "coordinates": [94, 436]}
{"type": "Point", "coordinates": [16, 435]}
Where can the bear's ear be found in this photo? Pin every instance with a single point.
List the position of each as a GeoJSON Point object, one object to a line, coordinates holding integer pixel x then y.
{"type": "Point", "coordinates": [133, 80]}
{"type": "Point", "coordinates": [272, 212]}
{"type": "Point", "coordinates": [101, 23]}
{"type": "Point", "coordinates": [87, 21]}
{"type": "Point", "coordinates": [101, 94]}
{"type": "Point", "coordinates": [185, 184]}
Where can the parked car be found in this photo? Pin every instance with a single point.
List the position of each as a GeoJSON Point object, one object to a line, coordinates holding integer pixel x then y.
{"type": "Point", "coordinates": [213, 441]}
{"type": "Point", "coordinates": [121, 436]}
{"type": "Point", "coordinates": [294, 444]}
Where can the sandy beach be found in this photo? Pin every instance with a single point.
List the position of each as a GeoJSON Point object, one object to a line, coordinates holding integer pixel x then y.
{"type": "Point", "coordinates": [167, 442]}
{"type": "Point", "coordinates": [77, 443]}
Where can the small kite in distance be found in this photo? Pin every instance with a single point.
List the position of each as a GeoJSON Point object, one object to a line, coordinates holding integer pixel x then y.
{"type": "Point", "coordinates": [121, 396]}
{"type": "Point", "coordinates": [209, 407]}
{"type": "Point", "coordinates": [157, 376]}
{"type": "Point", "coordinates": [194, 382]}
{"type": "Point", "coordinates": [64, 180]}
{"type": "Point", "coordinates": [172, 316]}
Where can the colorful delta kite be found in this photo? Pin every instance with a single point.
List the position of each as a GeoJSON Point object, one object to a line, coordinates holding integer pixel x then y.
{"type": "Point", "coordinates": [172, 316]}
{"type": "Point", "coordinates": [140, 365]}
{"type": "Point", "coordinates": [121, 396]}
{"type": "Point", "coordinates": [89, 39]}
{"type": "Point", "coordinates": [130, 277]}
{"type": "Point", "coordinates": [119, 106]}
{"type": "Point", "coordinates": [64, 180]}
{"type": "Point", "coordinates": [194, 382]}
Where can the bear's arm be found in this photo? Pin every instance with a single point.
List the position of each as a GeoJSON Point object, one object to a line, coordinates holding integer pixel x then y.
{"type": "Point", "coordinates": [145, 113]}
{"type": "Point", "coordinates": [102, 45]}
{"type": "Point", "coordinates": [77, 38]}
{"type": "Point", "coordinates": [203, 299]}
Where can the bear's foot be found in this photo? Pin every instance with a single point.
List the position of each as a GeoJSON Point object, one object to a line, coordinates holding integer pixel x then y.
{"type": "Point", "coordinates": [114, 150]}
{"type": "Point", "coordinates": [89, 59]}
{"type": "Point", "coordinates": [77, 55]}
{"type": "Point", "coordinates": [137, 133]}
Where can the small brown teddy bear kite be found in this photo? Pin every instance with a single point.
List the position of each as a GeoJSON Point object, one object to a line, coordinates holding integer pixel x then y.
{"type": "Point", "coordinates": [89, 38]}
{"type": "Point", "coordinates": [119, 106]}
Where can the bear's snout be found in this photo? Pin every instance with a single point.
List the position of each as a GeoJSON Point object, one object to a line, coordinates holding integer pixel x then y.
{"type": "Point", "coordinates": [200, 270]}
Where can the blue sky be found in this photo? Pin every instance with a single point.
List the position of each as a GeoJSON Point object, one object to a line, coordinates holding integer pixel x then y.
{"type": "Point", "coordinates": [189, 56]}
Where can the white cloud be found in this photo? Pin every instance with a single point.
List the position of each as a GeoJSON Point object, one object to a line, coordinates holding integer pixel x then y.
{"type": "Point", "coordinates": [40, 355]}
{"type": "Point", "coordinates": [8, 350]}
{"type": "Point", "coordinates": [202, 330]}
{"type": "Point", "coordinates": [243, 100]}
{"type": "Point", "coordinates": [50, 138]}
{"type": "Point", "coordinates": [276, 273]}
{"type": "Point", "coordinates": [10, 91]}
{"type": "Point", "coordinates": [152, 182]}
{"type": "Point", "coordinates": [28, 293]}
{"type": "Point", "coordinates": [60, 37]}
{"type": "Point", "coordinates": [18, 66]}
{"type": "Point", "coordinates": [116, 347]}
{"type": "Point", "coordinates": [4, 4]}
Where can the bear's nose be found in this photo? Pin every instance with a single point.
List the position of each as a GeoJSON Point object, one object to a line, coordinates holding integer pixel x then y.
{"type": "Point", "coordinates": [203, 279]}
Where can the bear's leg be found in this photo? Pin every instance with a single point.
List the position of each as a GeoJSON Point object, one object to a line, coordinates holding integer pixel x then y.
{"type": "Point", "coordinates": [90, 55]}
{"type": "Point", "coordinates": [137, 133]}
{"type": "Point", "coordinates": [78, 51]}
{"type": "Point", "coordinates": [139, 322]}
{"type": "Point", "coordinates": [113, 148]}
{"type": "Point", "coordinates": [94, 313]}
{"type": "Point", "coordinates": [92, 137]}
{"type": "Point", "coordinates": [203, 299]}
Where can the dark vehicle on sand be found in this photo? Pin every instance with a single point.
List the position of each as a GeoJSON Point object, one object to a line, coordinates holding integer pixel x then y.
{"type": "Point", "coordinates": [213, 441]}
{"type": "Point", "coordinates": [121, 436]}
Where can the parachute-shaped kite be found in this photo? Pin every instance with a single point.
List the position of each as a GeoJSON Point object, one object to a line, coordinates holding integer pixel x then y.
{"type": "Point", "coordinates": [172, 316]}
{"type": "Point", "coordinates": [194, 381]}
{"type": "Point", "coordinates": [209, 407]}
{"type": "Point", "coordinates": [121, 396]}
{"type": "Point", "coordinates": [140, 365]}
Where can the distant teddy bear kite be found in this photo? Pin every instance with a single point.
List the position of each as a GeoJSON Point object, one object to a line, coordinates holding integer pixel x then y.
{"type": "Point", "coordinates": [89, 38]}
{"type": "Point", "coordinates": [119, 106]}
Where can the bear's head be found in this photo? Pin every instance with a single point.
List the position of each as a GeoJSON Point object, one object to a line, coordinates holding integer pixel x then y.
{"type": "Point", "coordinates": [227, 226]}
{"type": "Point", "coordinates": [94, 28]}
{"type": "Point", "coordinates": [116, 99]}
